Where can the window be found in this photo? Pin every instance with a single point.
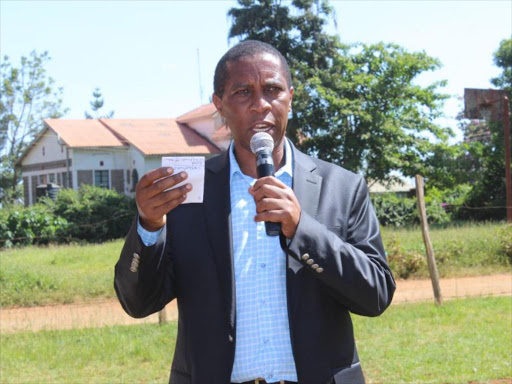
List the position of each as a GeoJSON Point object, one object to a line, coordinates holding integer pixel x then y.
{"type": "Point", "coordinates": [101, 179]}
{"type": "Point", "coordinates": [128, 176]}
{"type": "Point", "coordinates": [42, 179]}
{"type": "Point", "coordinates": [52, 177]}
{"type": "Point", "coordinates": [43, 151]}
{"type": "Point", "coordinates": [135, 179]}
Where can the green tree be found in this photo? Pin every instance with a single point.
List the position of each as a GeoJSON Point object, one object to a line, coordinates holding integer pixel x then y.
{"type": "Point", "coordinates": [489, 186]}
{"type": "Point", "coordinates": [27, 96]}
{"type": "Point", "coordinates": [96, 105]}
{"type": "Point", "coordinates": [503, 60]}
{"type": "Point", "coordinates": [354, 105]}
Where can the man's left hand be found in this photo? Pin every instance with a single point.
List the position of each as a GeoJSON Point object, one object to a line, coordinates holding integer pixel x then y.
{"type": "Point", "coordinates": [277, 203]}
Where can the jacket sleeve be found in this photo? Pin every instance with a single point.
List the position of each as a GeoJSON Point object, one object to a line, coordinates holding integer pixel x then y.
{"type": "Point", "coordinates": [144, 275]}
{"type": "Point", "coordinates": [355, 271]}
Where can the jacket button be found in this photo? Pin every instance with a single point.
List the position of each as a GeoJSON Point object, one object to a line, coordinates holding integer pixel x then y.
{"type": "Point", "coordinates": [314, 266]}
{"type": "Point", "coordinates": [310, 261]}
{"type": "Point", "coordinates": [133, 269]}
{"type": "Point", "coordinates": [230, 338]}
{"type": "Point", "coordinates": [136, 256]}
{"type": "Point", "coordinates": [305, 256]}
{"type": "Point", "coordinates": [319, 270]}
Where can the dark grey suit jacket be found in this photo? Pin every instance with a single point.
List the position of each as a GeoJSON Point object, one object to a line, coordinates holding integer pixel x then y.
{"type": "Point", "coordinates": [193, 262]}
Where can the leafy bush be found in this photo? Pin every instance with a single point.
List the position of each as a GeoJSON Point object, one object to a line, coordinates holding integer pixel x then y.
{"type": "Point", "coordinates": [95, 214]}
{"type": "Point", "coordinates": [400, 212]}
{"type": "Point", "coordinates": [91, 214]}
{"type": "Point", "coordinates": [505, 238]}
{"type": "Point", "coordinates": [30, 225]}
{"type": "Point", "coordinates": [403, 263]}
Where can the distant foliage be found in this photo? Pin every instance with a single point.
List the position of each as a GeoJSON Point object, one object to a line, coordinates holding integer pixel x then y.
{"type": "Point", "coordinates": [95, 214]}
{"type": "Point", "coordinates": [90, 214]}
{"type": "Point", "coordinates": [403, 263]}
{"type": "Point", "coordinates": [401, 212]}
{"type": "Point", "coordinates": [31, 225]}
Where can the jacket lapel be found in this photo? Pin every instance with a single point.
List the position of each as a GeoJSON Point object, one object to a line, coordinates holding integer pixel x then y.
{"type": "Point", "coordinates": [307, 186]}
{"type": "Point", "coordinates": [306, 183]}
{"type": "Point", "coordinates": [218, 218]}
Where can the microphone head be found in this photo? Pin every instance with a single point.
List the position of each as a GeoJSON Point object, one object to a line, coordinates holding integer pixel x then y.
{"type": "Point", "coordinates": [262, 141]}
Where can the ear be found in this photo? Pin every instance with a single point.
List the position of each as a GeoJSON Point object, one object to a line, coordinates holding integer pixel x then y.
{"type": "Point", "coordinates": [291, 98]}
{"type": "Point", "coordinates": [217, 101]}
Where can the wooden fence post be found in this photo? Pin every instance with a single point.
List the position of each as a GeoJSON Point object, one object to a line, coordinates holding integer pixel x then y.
{"type": "Point", "coordinates": [432, 267]}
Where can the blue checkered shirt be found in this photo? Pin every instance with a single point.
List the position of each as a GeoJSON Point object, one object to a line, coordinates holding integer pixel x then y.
{"type": "Point", "coordinates": [263, 345]}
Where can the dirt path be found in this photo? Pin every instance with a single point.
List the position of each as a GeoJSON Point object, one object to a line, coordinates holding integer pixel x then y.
{"type": "Point", "coordinates": [97, 314]}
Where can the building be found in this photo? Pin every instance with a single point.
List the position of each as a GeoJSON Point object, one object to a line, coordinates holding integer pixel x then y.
{"type": "Point", "coordinates": [114, 153]}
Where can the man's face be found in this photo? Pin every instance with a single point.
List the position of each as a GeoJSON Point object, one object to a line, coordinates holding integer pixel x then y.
{"type": "Point", "coordinates": [256, 99]}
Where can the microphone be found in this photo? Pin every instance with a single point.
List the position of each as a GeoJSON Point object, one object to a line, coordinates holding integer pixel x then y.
{"type": "Point", "coordinates": [262, 145]}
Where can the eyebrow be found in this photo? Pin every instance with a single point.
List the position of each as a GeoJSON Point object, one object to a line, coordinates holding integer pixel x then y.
{"type": "Point", "coordinates": [240, 85]}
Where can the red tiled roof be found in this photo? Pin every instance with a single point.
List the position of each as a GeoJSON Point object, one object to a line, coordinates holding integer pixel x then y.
{"type": "Point", "coordinates": [201, 112]}
{"type": "Point", "coordinates": [83, 133]}
{"type": "Point", "coordinates": [160, 136]}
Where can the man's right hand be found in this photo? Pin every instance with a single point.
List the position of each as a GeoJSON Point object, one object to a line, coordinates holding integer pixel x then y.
{"type": "Point", "coordinates": [152, 202]}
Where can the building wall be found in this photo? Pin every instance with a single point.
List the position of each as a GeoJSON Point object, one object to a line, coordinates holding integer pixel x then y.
{"type": "Point", "coordinates": [47, 149]}
{"type": "Point", "coordinates": [114, 160]}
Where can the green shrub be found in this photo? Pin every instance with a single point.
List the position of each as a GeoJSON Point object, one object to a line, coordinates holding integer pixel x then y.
{"type": "Point", "coordinates": [403, 263]}
{"type": "Point", "coordinates": [30, 225]}
{"type": "Point", "coordinates": [505, 238]}
{"type": "Point", "coordinates": [400, 212]}
{"type": "Point", "coordinates": [95, 214]}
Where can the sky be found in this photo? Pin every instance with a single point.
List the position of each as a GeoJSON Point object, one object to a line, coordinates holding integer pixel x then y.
{"type": "Point", "coordinates": [154, 59]}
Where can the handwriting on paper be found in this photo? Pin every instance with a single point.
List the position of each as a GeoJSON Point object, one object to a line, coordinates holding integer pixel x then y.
{"type": "Point", "coordinates": [194, 166]}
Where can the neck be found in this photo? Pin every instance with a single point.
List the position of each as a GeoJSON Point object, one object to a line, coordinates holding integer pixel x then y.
{"type": "Point", "coordinates": [247, 160]}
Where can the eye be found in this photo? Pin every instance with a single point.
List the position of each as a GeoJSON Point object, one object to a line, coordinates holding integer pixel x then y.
{"type": "Point", "coordinates": [242, 92]}
{"type": "Point", "coordinates": [273, 89]}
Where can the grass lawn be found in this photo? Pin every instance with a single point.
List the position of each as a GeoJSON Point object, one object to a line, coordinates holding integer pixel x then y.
{"type": "Point", "coordinates": [32, 276]}
{"type": "Point", "coordinates": [466, 250]}
{"type": "Point", "coordinates": [57, 274]}
{"type": "Point", "coordinates": [462, 341]}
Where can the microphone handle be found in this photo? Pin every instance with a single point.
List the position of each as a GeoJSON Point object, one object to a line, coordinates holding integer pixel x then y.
{"type": "Point", "coordinates": [265, 167]}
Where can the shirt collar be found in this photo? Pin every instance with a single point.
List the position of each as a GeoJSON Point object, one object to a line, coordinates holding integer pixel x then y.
{"type": "Point", "coordinates": [286, 168]}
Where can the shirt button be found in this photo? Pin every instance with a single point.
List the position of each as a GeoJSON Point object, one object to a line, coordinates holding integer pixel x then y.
{"type": "Point", "coordinates": [265, 341]}
{"type": "Point", "coordinates": [263, 265]}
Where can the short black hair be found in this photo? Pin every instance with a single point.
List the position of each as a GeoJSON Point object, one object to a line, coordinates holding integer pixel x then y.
{"type": "Point", "coordinates": [244, 49]}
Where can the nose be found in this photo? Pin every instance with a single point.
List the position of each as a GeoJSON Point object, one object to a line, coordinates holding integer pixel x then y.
{"type": "Point", "coordinates": [260, 103]}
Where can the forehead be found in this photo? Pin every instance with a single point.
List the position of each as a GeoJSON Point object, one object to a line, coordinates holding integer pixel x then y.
{"type": "Point", "coordinates": [258, 67]}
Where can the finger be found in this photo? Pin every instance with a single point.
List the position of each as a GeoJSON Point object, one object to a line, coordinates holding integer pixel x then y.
{"type": "Point", "coordinates": [269, 204]}
{"type": "Point", "coordinates": [169, 206]}
{"type": "Point", "coordinates": [271, 191]}
{"type": "Point", "coordinates": [268, 180]}
{"type": "Point", "coordinates": [161, 185]}
{"type": "Point", "coordinates": [167, 196]}
{"type": "Point", "coordinates": [150, 177]}
{"type": "Point", "coordinates": [276, 216]}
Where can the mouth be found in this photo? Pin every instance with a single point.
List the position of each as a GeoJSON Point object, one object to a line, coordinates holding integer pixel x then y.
{"type": "Point", "coordinates": [262, 127]}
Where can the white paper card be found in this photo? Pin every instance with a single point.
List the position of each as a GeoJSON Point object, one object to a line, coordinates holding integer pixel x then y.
{"type": "Point", "coordinates": [194, 166]}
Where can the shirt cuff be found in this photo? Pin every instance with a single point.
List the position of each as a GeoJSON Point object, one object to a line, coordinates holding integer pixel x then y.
{"type": "Point", "coordinates": [148, 238]}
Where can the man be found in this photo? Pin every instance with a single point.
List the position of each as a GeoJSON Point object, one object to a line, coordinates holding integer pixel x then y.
{"type": "Point", "coordinates": [255, 308]}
